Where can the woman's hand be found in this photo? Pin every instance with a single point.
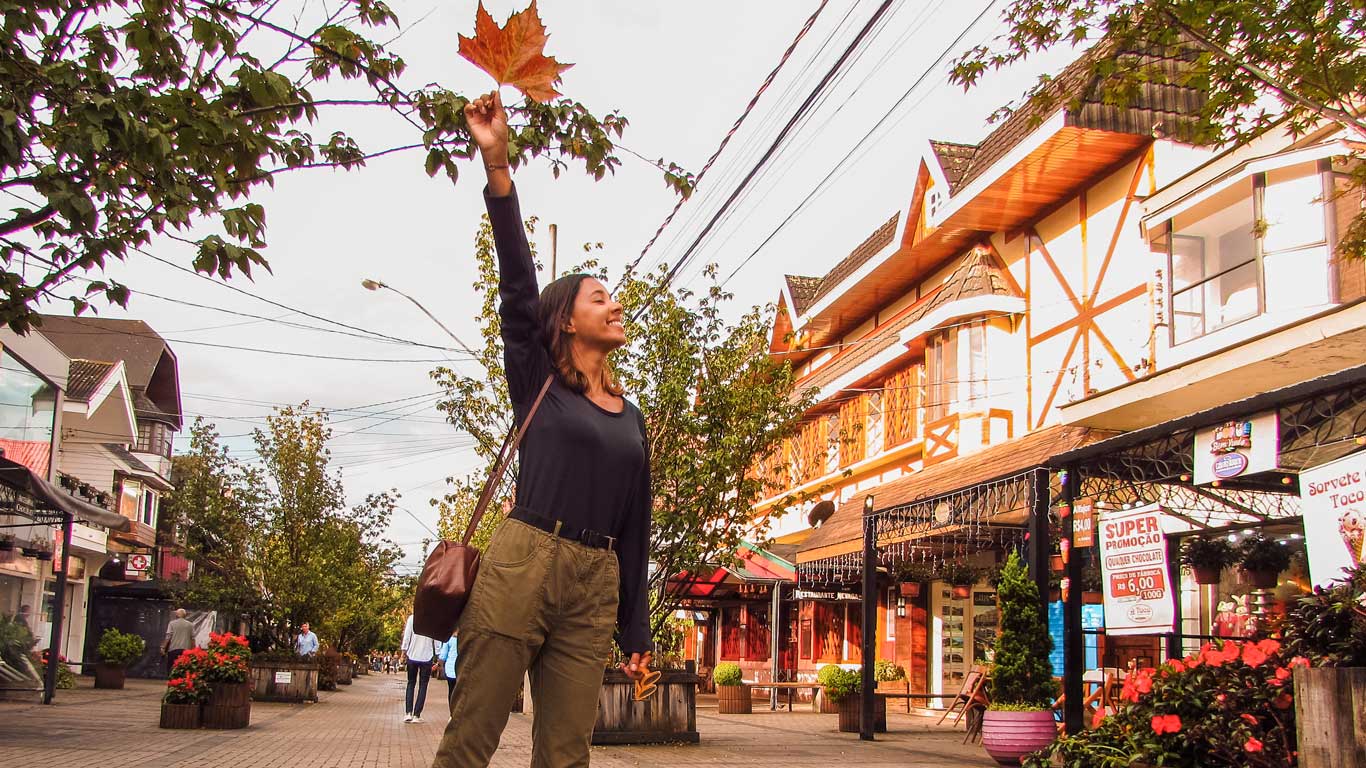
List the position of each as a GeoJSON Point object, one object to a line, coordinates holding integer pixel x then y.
{"type": "Point", "coordinates": [488, 123]}
{"type": "Point", "coordinates": [637, 666]}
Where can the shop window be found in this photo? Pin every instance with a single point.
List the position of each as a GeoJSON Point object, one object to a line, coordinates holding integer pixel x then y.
{"type": "Point", "coordinates": [758, 634]}
{"type": "Point", "coordinates": [27, 409]}
{"type": "Point", "coordinates": [829, 632]}
{"type": "Point", "coordinates": [732, 634]}
{"type": "Point", "coordinates": [955, 369]}
{"type": "Point", "coordinates": [1259, 246]}
{"type": "Point", "coordinates": [805, 633]}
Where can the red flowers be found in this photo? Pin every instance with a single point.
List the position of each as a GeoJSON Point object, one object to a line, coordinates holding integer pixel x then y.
{"type": "Point", "coordinates": [1166, 724]}
{"type": "Point", "coordinates": [1253, 745]}
{"type": "Point", "coordinates": [1249, 719]}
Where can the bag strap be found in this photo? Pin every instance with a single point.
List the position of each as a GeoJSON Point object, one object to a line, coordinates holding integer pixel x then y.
{"type": "Point", "coordinates": [513, 439]}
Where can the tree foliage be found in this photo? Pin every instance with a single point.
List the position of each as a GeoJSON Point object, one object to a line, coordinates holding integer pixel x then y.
{"type": "Point", "coordinates": [124, 120]}
{"type": "Point", "coordinates": [1021, 676]}
{"type": "Point", "coordinates": [1297, 64]}
{"type": "Point", "coordinates": [715, 406]}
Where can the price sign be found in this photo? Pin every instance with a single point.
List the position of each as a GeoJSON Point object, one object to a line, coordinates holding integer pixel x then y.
{"type": "Point", "coordinates": [1133, 558]}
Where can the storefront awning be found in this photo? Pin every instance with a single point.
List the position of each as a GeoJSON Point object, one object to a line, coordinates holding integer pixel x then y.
{"type": "Point", "coordinates": [755, 565]}
{"type": "Point", "coordinates": [23, 480]}
{"type": "Point", "coordinates": [842, 534]}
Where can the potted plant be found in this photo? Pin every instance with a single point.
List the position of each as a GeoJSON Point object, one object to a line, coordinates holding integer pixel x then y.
{"type": "Point", "coordinates": [184, 697]}
{"type": "Point", "coordinates": [732, 695]}
{"type": "Point", "coordinates": [891, 678]}
{"type": "Point", "coordinates": [1208, 557]}
{"type": "Point", "coordinates": [283, 675]}
{"type": "Point", "coordinates": [1020, 718]}
{"type": "Point", "coordinates": [842, 686]}
{"type": "Point", "coordinates": [1263, 559]}
{"type": "Point", "coordinates": [116, 651]}
{"type": "Point", "coordinates": [912, 577]}
{"type": "Point", "coordinates": [225, 664]}
{"type": "Point", "coordinates": [960, 577]}
{"type": "Point", "coordinates": [6, 541]}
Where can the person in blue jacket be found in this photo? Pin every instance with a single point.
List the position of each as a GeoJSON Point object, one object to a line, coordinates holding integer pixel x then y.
{"type": "Point", "coordinates": [447, 653]}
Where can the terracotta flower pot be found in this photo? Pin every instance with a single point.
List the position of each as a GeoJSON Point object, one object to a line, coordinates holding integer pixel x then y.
{"type": "Point", "coordinates": [1009, 736]}
{"type": "Point", "coordinates": [1207, 574]}
{"type": "Point", "coordinates": [180, 716]}
{"type": "Point", "coordinates": [1263, 579]}
{"type": "Point", "coordinates": [962, 591]}
{"type": "Point", "coordinates": [734, 700]}
{"type": "Point", "coordinates": [109, 676]}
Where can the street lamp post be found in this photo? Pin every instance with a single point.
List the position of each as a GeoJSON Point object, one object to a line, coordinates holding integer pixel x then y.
{"type": "Point", "coordinates": [375, 285]}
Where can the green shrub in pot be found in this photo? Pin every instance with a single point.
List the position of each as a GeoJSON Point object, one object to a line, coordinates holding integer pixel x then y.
{"type": "Point", "coordinates": [727, 673]}
{"type": "Point", "coordinates": [120, 649]}
{"type": "Point", "coordinates": [888, 671]}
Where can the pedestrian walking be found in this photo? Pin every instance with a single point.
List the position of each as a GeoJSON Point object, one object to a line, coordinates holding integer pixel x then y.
{"type": "Point", "coordinates": [306, 644]}
{"type": "Point", "coordinates": [568, 564]}
{"type": "Point", "coordinates": [447, 654]}
{"type": "Point", "coordinates": [418, 650]}
{"type": "Point", "coordinates": [179, 639]}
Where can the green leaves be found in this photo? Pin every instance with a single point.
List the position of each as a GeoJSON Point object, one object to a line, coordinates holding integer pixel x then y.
{"type": "Point", "coordinates": [1021, 674]}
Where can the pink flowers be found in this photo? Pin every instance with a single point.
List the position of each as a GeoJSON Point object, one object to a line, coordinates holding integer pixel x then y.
{"type": "Point", "coordinates": [1166, 724]}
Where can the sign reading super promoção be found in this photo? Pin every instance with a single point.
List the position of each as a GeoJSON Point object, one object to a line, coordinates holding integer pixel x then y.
{"type": "Point", "coordinates": [1133, 561]}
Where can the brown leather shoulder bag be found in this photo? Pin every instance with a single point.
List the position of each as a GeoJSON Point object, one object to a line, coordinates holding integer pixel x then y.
{"type": "Point", "coordinates": [448, 575]}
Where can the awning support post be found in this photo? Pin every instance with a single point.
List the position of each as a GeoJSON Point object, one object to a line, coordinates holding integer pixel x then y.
{"type": "Point", "coordinates": [868, 687]}
{"type": "Point", "coordinates": [54, 645]}
{"type": "Point", "coordinates": [1074, 642]}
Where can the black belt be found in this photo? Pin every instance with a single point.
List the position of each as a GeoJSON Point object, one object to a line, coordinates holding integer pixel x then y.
{"type": "Point", "coordinates": [582, 535]}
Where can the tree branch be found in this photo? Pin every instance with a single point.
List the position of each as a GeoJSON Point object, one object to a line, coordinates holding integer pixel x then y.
{"type": "Point", "coordinates": [26, 220]}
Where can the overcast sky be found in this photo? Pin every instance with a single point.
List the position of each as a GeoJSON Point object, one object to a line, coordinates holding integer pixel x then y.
{"type": "Point", "coordinates": [681, 72]}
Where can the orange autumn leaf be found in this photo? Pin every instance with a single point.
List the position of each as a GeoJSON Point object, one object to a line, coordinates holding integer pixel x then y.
{"type": "Point", "coordinates": [514, 54]}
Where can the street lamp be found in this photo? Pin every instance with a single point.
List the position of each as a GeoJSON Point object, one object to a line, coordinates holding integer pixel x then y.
{"type": "Point", "coordinates": [375, 285]}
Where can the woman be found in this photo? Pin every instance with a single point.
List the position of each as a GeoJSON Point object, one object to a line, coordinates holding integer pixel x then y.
{"type": "Point", "coordinates": [447, 653]}
{"type": "Point", "coordinates": [568, 564]}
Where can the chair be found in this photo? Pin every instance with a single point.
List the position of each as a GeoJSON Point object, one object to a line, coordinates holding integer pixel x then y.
{"type": "Point", "coordinates": [971, 690]}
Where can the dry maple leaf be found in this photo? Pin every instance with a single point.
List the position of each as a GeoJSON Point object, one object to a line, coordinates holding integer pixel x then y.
{"type": "Point", "coordinates": [514, 53]}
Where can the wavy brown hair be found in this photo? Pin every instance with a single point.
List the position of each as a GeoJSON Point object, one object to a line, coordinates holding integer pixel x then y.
{"type": "Point", "coordinates": [557, 306]}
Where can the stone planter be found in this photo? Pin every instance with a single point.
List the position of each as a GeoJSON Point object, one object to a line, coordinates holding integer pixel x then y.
{"type": "Point", "coordinates": [851, 711]}
{"type": "Point", "coordinates": [109, 676]}
{"type": "Point", "coordinates": [1330, 707]}
{"type": "Point", "coordinates": [179, 716]}
{"type": "Point", "coordinates": [667, 717]}
{"type": "Point", "coordinates": [287, 681]}
{"type": "Point", "coordinates": [734, 700]}
{"type": "Point", "coordinates": [228, 707]}
{"type": "Point", "coordinates": [1009, 736]}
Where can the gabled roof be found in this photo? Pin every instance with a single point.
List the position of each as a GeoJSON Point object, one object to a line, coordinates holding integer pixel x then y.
{"type": "Point", "coordinates": [99, 338]}
{"type": "Point", "coordinates": [85, 378]}
{"type": "Point", "coordinates": [976, 275]}
{"type": "Point", "coordinates": [843, 532]}
{"type": "Point", "coordinates": [954, 159]}
{"type": "Point", "coordinates": [803, 291]}
{"type": "Point", "coordinates": [881, 238]}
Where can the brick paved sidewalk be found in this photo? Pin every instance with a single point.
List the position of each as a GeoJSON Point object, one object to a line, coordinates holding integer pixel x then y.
{"type": "Point", "coordinates": [361, 726]}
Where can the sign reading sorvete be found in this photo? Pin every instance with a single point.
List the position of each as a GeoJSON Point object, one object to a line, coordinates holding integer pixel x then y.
{"type": "Point", "coordinates": [1334, 506]}
{"type": "Point", "coordinates": [284, 678]}
{"type": "Point", "coordinates": [1236, 448]}
{"type": "Point", "coordinates": [1133, 561]}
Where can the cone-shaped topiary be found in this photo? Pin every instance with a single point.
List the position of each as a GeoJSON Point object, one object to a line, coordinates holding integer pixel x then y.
{"type": "Point", "coordinates": [1022, 677]}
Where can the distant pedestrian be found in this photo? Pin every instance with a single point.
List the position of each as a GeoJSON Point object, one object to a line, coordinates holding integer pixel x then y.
{"type": "Point", "coordinates": [447, 653]}
{"type": "Point", "coordinates": [418, 650]}
{"type": "Point", "coordinates": [306, 644]}
{"type": "Point", "coordinates": [179, 639]}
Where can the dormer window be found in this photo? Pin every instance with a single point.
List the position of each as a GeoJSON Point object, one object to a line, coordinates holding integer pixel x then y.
{"type": "Point", "coordinates": [155, 437]}
{"type": "Point", "coordinates": [955, 368]}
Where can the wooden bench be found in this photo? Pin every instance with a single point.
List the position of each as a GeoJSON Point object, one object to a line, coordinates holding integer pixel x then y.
{"type": "Point", "coordinates": [791, 689]}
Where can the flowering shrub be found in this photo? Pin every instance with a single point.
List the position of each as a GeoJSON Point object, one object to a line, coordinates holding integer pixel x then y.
{"type": "Point", "coordinates": [188, 687]}
{"type": "Point", "coordinates": [66, 679]}
{"type": "Point", "coordinates": [1229, 704]}
{"type": "Point", "coordinates": [227, 658]}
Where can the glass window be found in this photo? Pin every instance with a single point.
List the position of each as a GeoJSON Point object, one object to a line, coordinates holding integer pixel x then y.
{"type": "Point", "coordinates": [155, 437]}
{"type": "Point", "coordinates": [956, 368]}
{"type": "Point", "coordinates": [1295, 252]}
{"type": "Point", "coordinates": [941, 372]}
{"type": "Point", "coordinates": [28, 405]}
{"type": "Point", "coordinates": [758, 634]}
{"type": "Point", "coordinates": [130, 499]}
{"type": "Point", "coordinates": [149, 507]}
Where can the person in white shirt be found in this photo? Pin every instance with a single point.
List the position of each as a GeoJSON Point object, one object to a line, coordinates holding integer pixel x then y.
{"type": "Point", "coordinates": [418, 650]}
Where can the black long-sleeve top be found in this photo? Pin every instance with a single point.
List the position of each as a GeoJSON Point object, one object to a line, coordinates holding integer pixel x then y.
{"type": "Point", "coordinates": [580, 463]}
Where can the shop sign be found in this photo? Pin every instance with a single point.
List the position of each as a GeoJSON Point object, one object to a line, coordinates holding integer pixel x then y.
{"type": "Point", "coordinates": [1236, 448]}
{"type": "Point", "coordinates": [1133, 561]}
{"type": "Point", "coordinates": [834, 596]}
{"type": "Point", "coordinates": [1084, 524]}
{"type": "Point", "coordinates": [138, 564]}
{"type": "Point", "coordinates": [284, 677]}
{"type": "Point", "coordinates": [1334, 506]}
{"type": "Point", "coordinates": [57, 551]}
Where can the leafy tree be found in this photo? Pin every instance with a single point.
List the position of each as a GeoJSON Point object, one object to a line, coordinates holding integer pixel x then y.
{"type": "Point", "coordinates": [1022, 677]}
{"type": "Point", "coordinates": [715, 406]}
{"type": "Point", "coordinates": [124, 120]}
{"type": "Point", "coordinates": [218, 506]}
{"type": "Point", "coordinates": [1294, 63]}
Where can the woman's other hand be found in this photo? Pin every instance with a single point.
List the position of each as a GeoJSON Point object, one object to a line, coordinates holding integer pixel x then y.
{"type": "Point", "coordinates": [488, 123]}
{"type": "Point", "coordinates": [638, 665]}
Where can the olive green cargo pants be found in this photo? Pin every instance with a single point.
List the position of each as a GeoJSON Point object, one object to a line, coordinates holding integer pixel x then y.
{"type": "Point", "coordinates": [544, 604]}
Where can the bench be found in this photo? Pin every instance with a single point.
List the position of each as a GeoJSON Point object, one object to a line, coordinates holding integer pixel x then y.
{"type": "Point", "coordinates": [791, 689]}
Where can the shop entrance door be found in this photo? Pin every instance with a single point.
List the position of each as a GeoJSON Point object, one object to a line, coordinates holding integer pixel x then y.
{"type": "Point", "coordinates": [963, 633]}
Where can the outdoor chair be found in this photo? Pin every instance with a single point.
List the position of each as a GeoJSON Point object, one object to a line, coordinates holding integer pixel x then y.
{"type": "Point", "coordinates": [972, 691]}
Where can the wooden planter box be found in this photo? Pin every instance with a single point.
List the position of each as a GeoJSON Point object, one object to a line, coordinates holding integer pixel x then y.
{"type": "Point", "coordinates": [828, 707]}
{"type": "Point", "coordinates": [228, 707]}
{"type": "Point", "coordinates": [734, 700]}
{"type": "Point", "coordinates": [851, 708]}
{"type": "Point", "coordinates": [288, 681]}
{"type": "Point", "coordinates": [109, 676]}
{"type": "Point", "coordinates": [179, 716]}
{"type": "Point", "coordinates": [1330, 708]}
{"type": "Point", "coordinates": [667, 717]}
{"type": "Point", "coordinates": [896, 686]}
{"type": "Point", "coordinates": [345, 672]}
